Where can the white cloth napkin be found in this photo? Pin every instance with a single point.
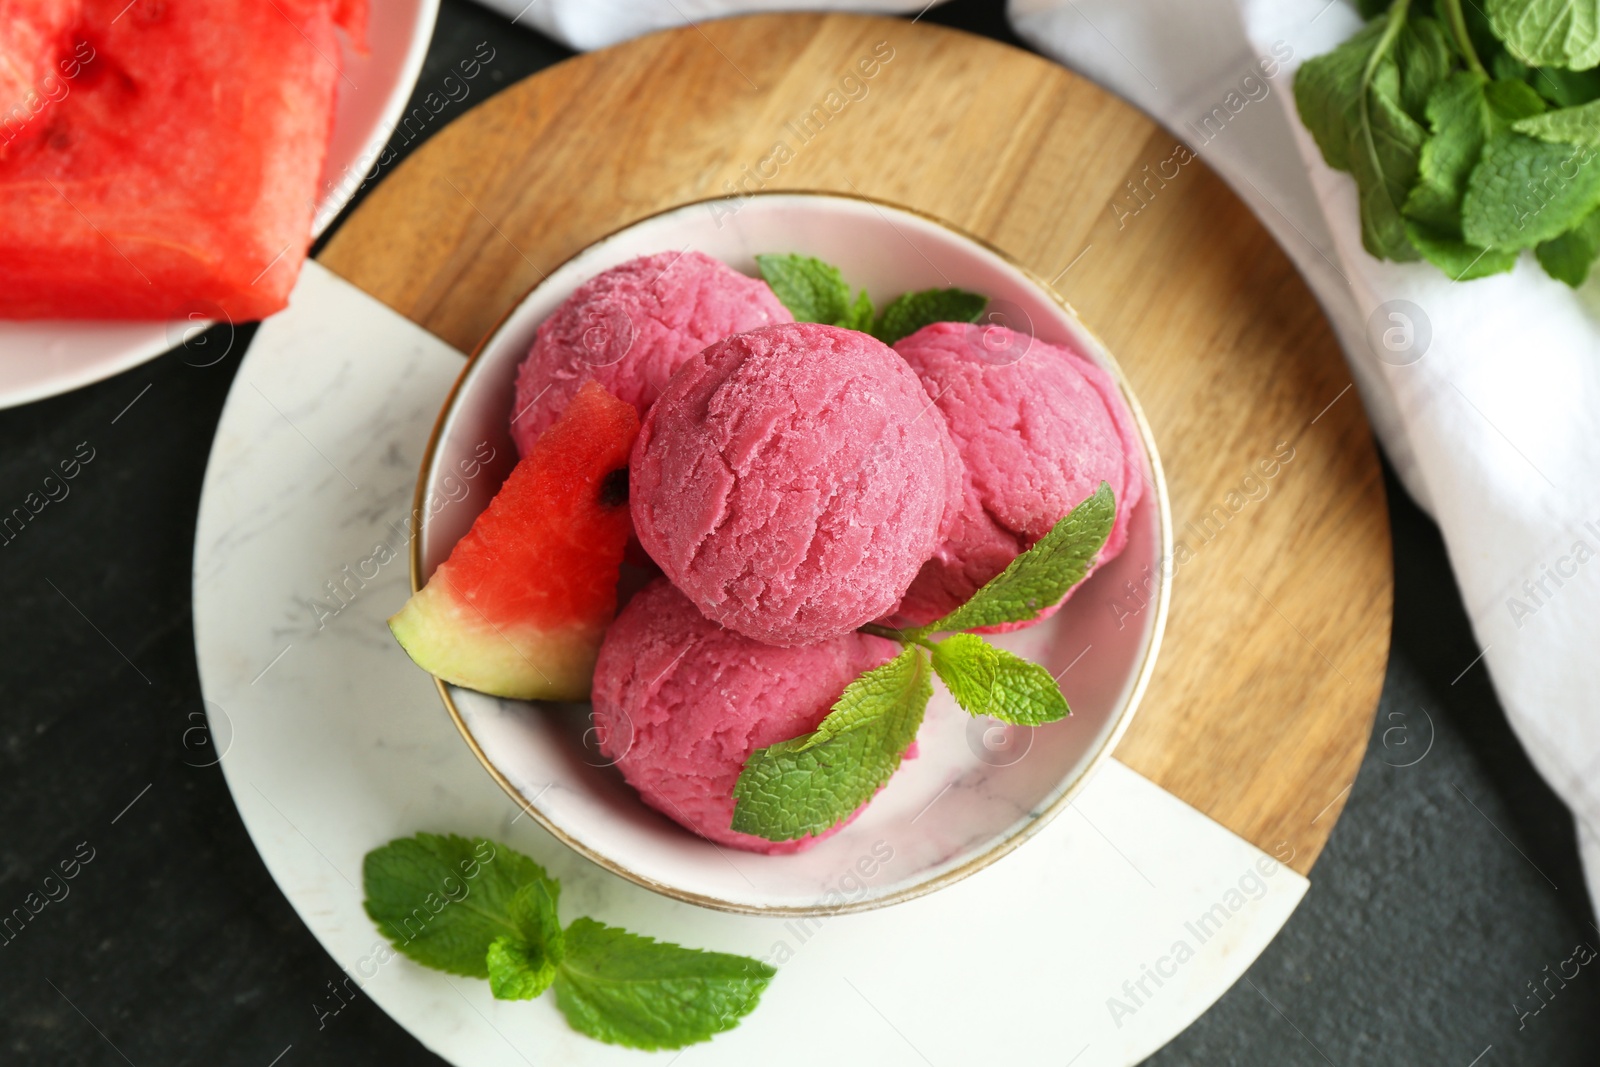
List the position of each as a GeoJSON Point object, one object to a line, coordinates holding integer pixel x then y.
{"type": "Point", "coordinates": [588, 24]}
{"type": "Point", "coordinates": [1484, 394]}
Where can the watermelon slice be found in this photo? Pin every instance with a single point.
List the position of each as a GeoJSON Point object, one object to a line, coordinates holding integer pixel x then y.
{"type": "Point", "coordinates": [162, 156]}
{"type": "Point", "coordinates": [519, 608]}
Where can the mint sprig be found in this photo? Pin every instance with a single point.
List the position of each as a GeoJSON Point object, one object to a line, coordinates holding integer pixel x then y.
{"type": "Point", "coordinates": [815, 291]}
{"type": "Point", "coordinates": [1463, 153]}
{"type": "Point", "coordinates": [471, 906]}
{"type": "Point", "coordinates": [811, 783]}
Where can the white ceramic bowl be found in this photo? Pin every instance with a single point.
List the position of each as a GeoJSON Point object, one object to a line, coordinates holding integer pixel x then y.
{"type": "Point", "coordinates": [978, 788]}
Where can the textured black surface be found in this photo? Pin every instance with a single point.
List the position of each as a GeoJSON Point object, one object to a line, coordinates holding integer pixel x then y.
{"type": "Point", "coordinates": [1434, 906]}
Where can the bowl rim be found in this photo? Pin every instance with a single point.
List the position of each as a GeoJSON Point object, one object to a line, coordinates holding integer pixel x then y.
{"type": "Point", "coordinates": [1003, 846]}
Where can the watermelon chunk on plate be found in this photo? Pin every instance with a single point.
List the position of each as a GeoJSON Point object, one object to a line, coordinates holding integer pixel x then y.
{"type": "Point", "coordinates": [521, 605]}
{"type": "Point", "coordinates": [161, 157]}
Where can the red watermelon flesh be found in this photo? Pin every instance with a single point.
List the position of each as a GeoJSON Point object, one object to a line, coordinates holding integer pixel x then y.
{"type": "Point", "coordinates": [36, 64]}
{"type": "Point", "coordinates": [520, 607]}
{"type": "Point", "coordinates": [174, 165]}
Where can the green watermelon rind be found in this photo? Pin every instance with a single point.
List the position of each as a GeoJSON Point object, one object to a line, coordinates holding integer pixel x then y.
{"type": "Point", "coordinates": [447, 637]}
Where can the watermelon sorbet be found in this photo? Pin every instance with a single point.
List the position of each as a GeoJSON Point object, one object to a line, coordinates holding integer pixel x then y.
{"type": "Point", "coordinates": [629, 328]}
{"type": "Point", "coordinates": [792, 480]}
{"type": "Point", "coordinates": [1037, 435]}
{"type": "Point", "coordinates": [681, 703]}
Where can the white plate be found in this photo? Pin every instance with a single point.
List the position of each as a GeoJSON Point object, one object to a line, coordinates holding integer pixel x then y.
{"type": "Point", "coordinates": [45, 358]}
{"type": "Point", "coordinates": [970, 796]}
{"type": "Point", "coordinates": [335, 744]}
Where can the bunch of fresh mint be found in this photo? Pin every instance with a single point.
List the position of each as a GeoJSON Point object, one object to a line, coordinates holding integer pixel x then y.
{"type": "Point", "coordinates": [472, 907]}
{"type": "Point", "coordinates": [815, 291]}
{"type": "Point", "coordinates": [811, 783]}
{"type": "Point", "coordinates": [1471, 131]}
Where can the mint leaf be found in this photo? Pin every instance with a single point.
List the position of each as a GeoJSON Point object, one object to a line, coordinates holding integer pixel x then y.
{"type": "Point", "coordinates": [1326, 89]}
{"type": "Point", "coordinates": [1424, 59]}
{"type": "Point", "coordinates": [1025, 693]}
{"type": "Point", "coordinates": [910, 312]}
{"type": "Point", "coordinates": [1454, 256]}
{"type": "Point", "coordinates": [1464, 111]}
{"type": "Point", "coordinates": [813, 782]}
{"type": "Point", "coordinates": [519, 970]}
{"type": "Point", "coordinates": [1458, 114]}
{"type": "Point", "coordinates": [625, 989]}
{"type": "Point", "coordinates": [990, 681]}
{"type": "Point", "coordinates": [1040, 576]}
{"type": "Point", "coordinates": [815, 291]}
{"type": "Point", "coordinates": [1566, 88]}
{"type": "Point", "coordinates": [534, 909]}
{"type": "Point", "coordinates": [523, 966]}
{"type": "Point", "coordinates": [1563, 88]}
{"type": "Point", "coordinates": [860, 317]}
{"type": "Point", "coordinates": [966, 664]}
{"type": "Point", "coordinates": [1571, 125]}
{"type": "Point", "coordinates": [1568, 257]}
{"type": "Point", "coordinates": [1548, 33]}
{"type": "Point", "coordinates": [1509, 101]}
{"type": "Point", "coordinates": [812, 290]}
{"type": "Point", "coordinates": [1505, 65]}
{"type": "Point", "coordinates": [1384, 164]}
{"type": "Point", "coordinates": [1525, 191]}
{"type": "Point", "coordinates": [443, 900]}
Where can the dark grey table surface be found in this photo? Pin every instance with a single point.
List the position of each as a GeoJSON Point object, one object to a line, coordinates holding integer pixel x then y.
{"type": "Point", "coordinates": [1450, 889]}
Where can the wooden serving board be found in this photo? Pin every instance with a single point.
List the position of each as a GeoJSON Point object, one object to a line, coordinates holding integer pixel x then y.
{"type": "Point", "coordinates": [1264, 694]}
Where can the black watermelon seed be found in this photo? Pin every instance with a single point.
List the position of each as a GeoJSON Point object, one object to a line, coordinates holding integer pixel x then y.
{"type": "Point", "coordinates": [614, 488]}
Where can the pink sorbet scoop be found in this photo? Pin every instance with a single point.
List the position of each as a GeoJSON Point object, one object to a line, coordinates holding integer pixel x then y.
{"type": "Point", "coordinates": [629, 328]}
{"type": "Point", "coordinates": [1038, 427]}
{"type": "Point", "coordinates": [680, 704]}
{"type": "Point", "coordinates": [791, 481]}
